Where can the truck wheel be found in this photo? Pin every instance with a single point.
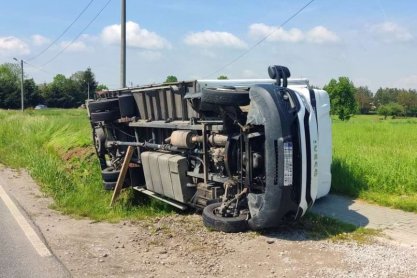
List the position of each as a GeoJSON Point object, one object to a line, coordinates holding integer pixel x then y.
{"type": "Point", "coordinates": [104, 104]}
{"type": "Point", "coordinates": [229, 97]}
{"type": "Point", "coordinates": [110, 185]}
{"type": "Point", "coordinates": [105, 116]}
{"type": "Point", "coordinates": [109, 174]}
{"type": "Point", "coordinates": [127, 105]}
{"type": "Point", "coordinates": [225, 224]}
{"type": "Point", "coordinates": [99, 140]}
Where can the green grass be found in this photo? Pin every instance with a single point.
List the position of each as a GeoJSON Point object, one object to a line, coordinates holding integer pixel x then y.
{"type": "Point", "coordinates": [55, 146]}
{"type": "Point", "coordinates": [376, 160]}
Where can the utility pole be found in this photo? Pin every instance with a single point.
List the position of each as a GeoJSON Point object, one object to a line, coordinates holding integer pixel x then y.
{"type": "Point", "coordinates": [123, 46]}
{"type": "Point", "coordinates": [21, 83]}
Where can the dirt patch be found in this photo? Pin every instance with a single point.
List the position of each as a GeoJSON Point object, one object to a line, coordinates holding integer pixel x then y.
{"type": "Point", "coordinates": [180, 245]}
{"type": "Point", "coordinates": [78, 152]}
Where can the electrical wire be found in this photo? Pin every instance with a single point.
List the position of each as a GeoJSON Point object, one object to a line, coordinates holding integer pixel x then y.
{"type": "Point", "coordinates": [79, 34]}
{"type": "Point", "coordinates": [36, 67]}
{"type": "Point", "coordinates": [261, 40]}
{"type": "Point", "coordinates": [63, 32]}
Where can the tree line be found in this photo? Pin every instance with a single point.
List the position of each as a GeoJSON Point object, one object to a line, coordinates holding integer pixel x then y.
{"type": "Point", "coordinates": [347, 100]}
{"type": "Point", "coordinates": [68, 92]}
{"type": "Point", "coordinates": [62, 92]}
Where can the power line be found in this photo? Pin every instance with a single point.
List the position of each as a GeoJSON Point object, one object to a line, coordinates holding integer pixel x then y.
{"type": "Point", "coordinates": [36, 67]}
{"type": "Point", "coordinates": [79, 34]}
{"type": "Point", "coordinates": [63, 33]}
{"type": "Point", "coordinates": [261, 40]}
{"type": "Point", "coordinates": [32, 65]}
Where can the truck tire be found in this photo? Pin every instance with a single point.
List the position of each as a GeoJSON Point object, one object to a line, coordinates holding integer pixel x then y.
{"type": "Point", "coordinates": [109, 174]}
{"type": "Point", "coordinates": [226, 97]}
{"type": "Point", "coordinates": [99, 140]}
{"type": "Point", "coordinates": [105, 116]}
{"type": "Point", "coordinates": [224, 224]}
{"type": "Point", "coordinates": [103, 104]}
{"type": "Point", "coordinates": [127, 106]}
{"type": "Point", "coordinates": [110, 185]}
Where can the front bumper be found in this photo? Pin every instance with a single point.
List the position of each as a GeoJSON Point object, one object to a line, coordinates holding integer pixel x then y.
{"type": "Point", "coordinates": [283, 113]}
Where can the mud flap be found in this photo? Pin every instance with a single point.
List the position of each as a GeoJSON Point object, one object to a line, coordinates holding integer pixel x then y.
{"type": "Point", "coordinates": [268, 108]}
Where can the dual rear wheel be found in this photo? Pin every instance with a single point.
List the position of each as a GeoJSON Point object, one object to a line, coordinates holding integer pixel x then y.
{"type": "Point", "coordinates": [110, 176]}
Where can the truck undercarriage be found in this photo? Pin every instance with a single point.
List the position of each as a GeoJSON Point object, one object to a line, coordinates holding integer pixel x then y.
{"type": "Point", "coordinates": [246, 152]}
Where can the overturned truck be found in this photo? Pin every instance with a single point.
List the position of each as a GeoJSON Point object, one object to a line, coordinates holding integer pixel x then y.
{"type": "Point", "coordinates": [250, 154]}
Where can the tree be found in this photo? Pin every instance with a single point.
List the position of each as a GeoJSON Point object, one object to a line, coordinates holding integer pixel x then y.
{"type": "Point", "coordinates": [171, 79]}
{"type": "Point", "coordinates": [101, 87]}
{"type": "Point", "coordinates": [9, 86]}
{"type": "Point", "coordinates": [397, 110]}
{"type": "Point", "coordinates": [222, 77]}
{"type": "Point", "coordinates": [391, 109]}
{"type": "Point", "coordinates": [384, 110]}
{"type": "Point", "coordinates": [408, 99]}
{"type": "Point", "coordinates": [364, 98]}
{"type": "Point", "coordinates": [342, 97]}
{"type": "Point", "coordinates": [315, 87]}
{"type": "Point", "coordinates": [385, 95]}
{"type": "Point", "coordinates": [86, 82]}
{"type": "Point", "coordinates": [62, 92]}
{"type": "Point", "coordinates": [32, 94]}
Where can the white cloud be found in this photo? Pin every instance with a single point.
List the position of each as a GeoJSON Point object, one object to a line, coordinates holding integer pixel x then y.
{"type": "Point", "coordinates": [39, 40]}
{"type": "Point", "coordinates": [89, 38]}
{"type": "Point", "coordinates": [390, 32]}
{"type": "Point", "coordinates": [260, 30]}
{"type": "Point", "coordinates": [135, 36]}
{"type": "Point", "coordinates": [208, 53]}
{"type": "Point", "coordinates": [321, 34]}
{"type": "Point", "coordinates": [77, 46]}
{"type": "Point", "coordinates": [13, 45]}
{"type": "Point", "coordinates": [150, 55]}
{"type": "Point", "coordinates": [214, 39]}
{"type": "Point", "coordinates": [318, 34]}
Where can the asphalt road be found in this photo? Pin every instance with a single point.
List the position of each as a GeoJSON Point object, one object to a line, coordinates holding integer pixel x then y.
{"type": "Point", "coordinates": [18, 256]}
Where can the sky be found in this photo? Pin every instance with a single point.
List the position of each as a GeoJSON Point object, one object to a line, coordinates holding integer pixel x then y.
{"type": "Point", "coordinates": [372, 42]}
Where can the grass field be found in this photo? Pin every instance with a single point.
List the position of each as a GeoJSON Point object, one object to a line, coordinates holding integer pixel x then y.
{"type": "Point", "coordinates": [55, 146]}
{"type": "Point", "coordinates": [376, 160]}
{"type": "Point", "coordinates": [372, 159]}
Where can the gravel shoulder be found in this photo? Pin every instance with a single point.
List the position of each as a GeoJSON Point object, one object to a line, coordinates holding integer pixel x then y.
{"type": "Point", "coordinates": [180, 245]}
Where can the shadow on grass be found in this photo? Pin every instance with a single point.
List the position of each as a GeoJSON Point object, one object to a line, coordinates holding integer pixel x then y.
{"type": "Point", "coordinates": [345, 180]}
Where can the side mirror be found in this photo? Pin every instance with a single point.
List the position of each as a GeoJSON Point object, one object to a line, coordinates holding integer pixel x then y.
{"type": "Point", "coordinates": [279, 72]}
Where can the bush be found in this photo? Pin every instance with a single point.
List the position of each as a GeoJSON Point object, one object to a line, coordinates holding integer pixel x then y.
{"type": "Point", "coordinates": [391, 109]}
